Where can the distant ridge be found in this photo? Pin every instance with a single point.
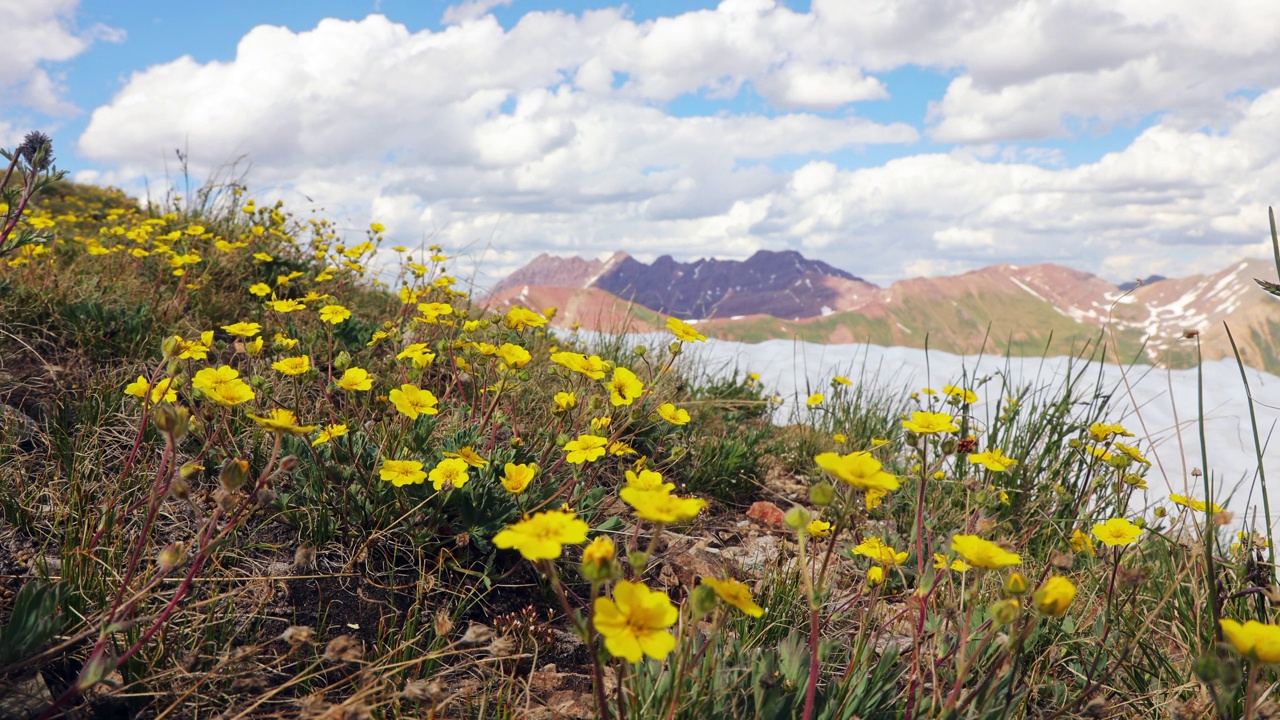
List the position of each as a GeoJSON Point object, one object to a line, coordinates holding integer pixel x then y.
{"type": "Point", "coordinates": [1021, 309]}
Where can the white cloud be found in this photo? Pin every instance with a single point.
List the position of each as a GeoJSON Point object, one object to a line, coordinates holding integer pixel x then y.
{"type": "Point", "coordinates": [555, 135]}
{"type": "Point", "coordinates": [471, 9]}
{"type": "Point", "coordinates": [37, 34]}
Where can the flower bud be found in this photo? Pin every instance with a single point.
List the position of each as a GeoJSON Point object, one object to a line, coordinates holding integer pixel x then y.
{"type": "Point", "coordinates": [190, 468]}
{"type": "Point", "coordinates": [233, 475]}
{"type": "Point", "coordinates": [1160, 512]}
{"type": "Point", "coordinates": [797, 518]}
{"type": "Point", "coordinates": [822, 494]}
{"type": "Point", "coordinates": [173, 421]}
{"type": "Point", "coordinates": [170, 346]}
{"type": "Point", "coordinates": [180, 489]}
{"type": "Point", "coordinates": [1206, 667]}
{"type": "Point", "coordinates": [343, 361]}
{"type": "Point", "coordinates": [1016, 584]}
{"type": "Point", "coordinates": [949, 446]}
{"type": "Point", "coordinates": [1004, 612]}
{"type": "Point", "coordinates": [288, 463]}
{"type": "Point", "coordinates": [597, 560]}
{"type": "Point", "coordinates": [703, 599]}
{"type": "Point", "coordinates": [638, 561]}
{"type": "Point", "coordinates": [173, 555]}
{"type": "Point", "coordinates": [640, 350]}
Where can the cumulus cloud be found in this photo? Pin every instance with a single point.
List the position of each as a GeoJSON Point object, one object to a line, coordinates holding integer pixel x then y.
{"type": "Point", "coordinates": [37, 34]}
{"type": "Point", "coordinates": [557, 135]}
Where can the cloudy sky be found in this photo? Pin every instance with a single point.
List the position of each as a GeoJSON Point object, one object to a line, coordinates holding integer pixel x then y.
{"type": "Point", "coordinates": [891, 138]}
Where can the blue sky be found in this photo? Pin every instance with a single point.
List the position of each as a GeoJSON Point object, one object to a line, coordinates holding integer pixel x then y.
{"type": "Point", "coordinates": [911, 137]}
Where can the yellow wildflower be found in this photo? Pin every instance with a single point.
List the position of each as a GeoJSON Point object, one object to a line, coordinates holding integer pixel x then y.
{"type": "Point", "coordinates": [634, 623]}
{"type": "Point", "coordinates": [983, 553]}
{"type": "Point", "coordinates": [544, 535]}
{"type": "Point", "coordinates": [736, 594]}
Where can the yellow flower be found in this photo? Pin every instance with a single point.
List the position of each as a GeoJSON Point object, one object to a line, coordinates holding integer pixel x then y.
{"type": "Point", "coordinates": [1054, 596]}
{"type": "Point", "coordinates": [1193, 503]}
{"type": "Point", "coordinates": [673, 414]}
{"type": "Point", "coordinates": [879, 552]}
{"type": "Point", "coordinates": [330, 432]}
{"type": "Point", "coordinates": [815, 400]}
{"type": "Point", "coordinates": [413, 401]}
{"type": "Point", "coordinates": [162, 392]}
{"type": "Point", "coordinates": [736, 594]}
{"type": "Point", "coordinates": [648, 480]}
{"type": "Point", "coordinates": [519, 318]}
{"type": "Point", "coordinates": [514, 356]}
{"type": "Point", "coordinates": [223, 385]}
{"type": "Point", "coordinates": [1080, 542]}
{"type": "Point", "coordinates": [469, 456]}
{"type": "Point", "coordinates": [450, 470]}
{"type": "Point", "coordinates": [599, 553]}
{"type": "Point", "coordinates": [1117, 532]}
{"type": "Point", "coordinates": [418, 353]}
{"type": "Point", "coordinates": [284, 342]}
{"type": "Point", "coordinates": [875, 576]}
{"type": "Point", "coordinates": [1255, 640]}
{"type": "Point", "coordinates": [684, 331]}
{"type": "Point", "coordinates": [432, 311]}
{"type": "Point", "coordinates": [940, 562]}
{"type": "Point", "coordinates": [254, 346]}
{"type": "Point", "coordinates": [544, 535]}
{"type": "Point", "coordinates": [625, 387]}
{"type": "Point", "coordinates": [283, 421]}
{"type": "Point", "coordinates": [818, 529]}
{"type": "Point", "coordinates": [355, 379]}
{"type": "Point", "coordinates": [377, 227]}
{"type": "Point", "coordinates": [286, 306]}
{"type": "Point", "coordinates": [840, 438]}
{"type": "Point", "coordinates": [587, 448]}
{"type": "Point", "coordinates": [593, 367]}
{"type": "Point", "coordinates": [959, 394]}
{"type": "Point", "coordinates": [841, 380]}
{"type": "Point", "coordinates": [402, 472]}
{"type": "Point", "coordinates": [243, 329]}
{"type": "Point", "coordinates": [293, 365]}
{"type": "Point", "coordinates": [263, 257]}
{"type": "Point", "coordinates": [993, 459]}
{"type": "Point", "coordinates": [928, 423]}
{"type": "Point", "coordinates": [518, 477]}
{"type": "Point", "coordinates": [634, 623]}
{"type": "Point", "coordinates": [600, 423]}
{"type": "Point", "coordinates": [193, 349]}
{"type": "Point", "coordinates": [1102, 432]}
{"type": "Point", "coordinates": [983, 553]}
{"type": "Point", "coordinates": [660, 506]}
{"type": "Point", "coordinates": [565, 400]}
{"type": "Point", "coordinates": [874, 497]}
{"type": "Point", "coordinates": [334, 314]}
{"type": "Point", "coordinates": [858, 469]}
{"type": "Point", "coordinates": [621, 449]}
{"type": "Point", "coordinates": [1132, 452]}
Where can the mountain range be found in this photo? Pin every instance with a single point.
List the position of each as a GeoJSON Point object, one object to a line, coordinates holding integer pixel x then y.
{"type": "Point", "coordinates": [1001, 309]}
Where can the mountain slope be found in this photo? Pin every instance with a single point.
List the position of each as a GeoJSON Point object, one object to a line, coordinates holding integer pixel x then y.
{"type": "Point", "coordinates": [1022, 310]}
